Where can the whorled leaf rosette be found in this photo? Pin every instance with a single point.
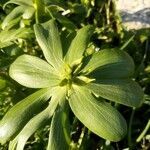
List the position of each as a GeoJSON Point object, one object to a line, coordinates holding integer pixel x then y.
{"type": "Point", "coordinates": [84, 81]}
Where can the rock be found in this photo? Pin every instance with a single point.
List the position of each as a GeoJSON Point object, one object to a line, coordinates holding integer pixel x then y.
{"type": "Point", "coordinates": [135, 13]}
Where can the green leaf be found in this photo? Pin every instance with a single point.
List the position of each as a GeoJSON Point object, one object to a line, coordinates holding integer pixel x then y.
{"type": "Point", "coordinates": [7, 37]}
{"type": "Point", "coordinates": [110, 64]}
{"type": "Point", "coordinates": [34, 124]}
{"type": "Point", "coordinates": [33, 72]}
{"type": "Point", "coordinates": [13, 23]}
{"type": "Point", "coordinates": [17, 117]}
{"type": "Point", "coordinates": [19, 2]}
{"type": "Point", "coordinates": [15, 13]}
{"type": "Point", "coordinates": [97, 115]}
{"type": "Point", "coordinates": [48, 38]}
{"type": "Point", "coordinates": [2, 84]}
{"type": "Point", "coordinates": [79, 44]}
{"type": "Point", "coordinates": [25, 11]}
{"type": "Point", "coordinates": [28, 12]}
{"type": "Point", "coordinates": [124, 91]}
{"type": "Point", "coordinates": [59, 137]}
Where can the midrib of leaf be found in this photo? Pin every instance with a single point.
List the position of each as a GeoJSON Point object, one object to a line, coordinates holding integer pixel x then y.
{"type": "Point", "coordinates": [101, 67]}
{"type": "Point", "coordinates": [38, 68]}
{"type": "Point", "coordinates": [126, 92]}
{"type": "Point", "coordinates": [53, 49]}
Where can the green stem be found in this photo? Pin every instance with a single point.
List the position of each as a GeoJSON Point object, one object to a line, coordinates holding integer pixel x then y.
{"type": "Point", "coordinates": [81, 136]}
{"type": "Point", "coordinates": [50, 13]}
{"type": "Point", "coordinates": [36, 14]}
{"type": "Point", "coordinates": [107, 13]}
{"type": "Point", "coordinates": [130, 128]}
{"type": "Point", "coordinates": [39, 10]}
{"type": "Point", "coordinates": [73, 145]}
{"type": "Point", "coordinates": [127, 43]}
{"type": "Point", "coordinates": [147, 127]}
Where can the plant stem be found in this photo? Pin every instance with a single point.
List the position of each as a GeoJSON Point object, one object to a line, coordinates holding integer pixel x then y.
{"type": "Point", "coordinates": [130, 128]}
{"type": "Point", "coordinates": [81, 136]}
{"type": "Point", "coordinates": [36, 14]}
{"type": "Point", "coordinates": [127, 43]}
{"type": "Point", "coordinates": [39, 7]}
{"type": "Point", "coordinates": [147, 127]}
{"type": "Point", "coordinates": [50, 13]}
{"type": "Point", "coordinates": [107, 5]}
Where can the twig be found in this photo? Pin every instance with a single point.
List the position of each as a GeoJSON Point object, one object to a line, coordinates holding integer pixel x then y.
{"type": "Point", "coordinates": [130, 128]}
{"type": "Point", "coordinates": [147, 127]}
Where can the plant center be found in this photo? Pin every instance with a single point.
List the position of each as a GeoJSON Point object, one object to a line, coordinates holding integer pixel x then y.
{"type": "Point", "coordinates": [72, 75]}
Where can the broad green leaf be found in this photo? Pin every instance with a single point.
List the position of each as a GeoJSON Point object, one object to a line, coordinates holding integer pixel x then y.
{"type": "Point", "coordinates": [34, 124]}
{"type": "Point", "coordinates": [110, 64]}
{"type": "Point", "coordinates": [17, 117]}
{"type": "Point", "coordinates": [20, 2]}
{"type": "Point", "coordinates": [13, 23]}
{"type": "Point", "coordinates": [33, 72]}
{"type": "Point", "coordinates": [15, 13]}
{"type": "Point", "coordinates": [97, 115]}
{"type": "Point", "coordinates": [79, 44]}
{"type": "Point", "coordinates": [59, 137]}
{"type": "Point", "coordinates": [123, 91]}
{"type": "Point", "coordinates": [2, 84]}
{"type": "Point", "coordinates": [28, 12]}
{"type": "Point", "coordinates": [5, 44]}
{"type": "Point", "coordinates": [7, 37]}
{"type": "Point", "coordinates": [48, 38]}
{"type": "Point", "coordinates": [12, 35]}
{"type": "Point", "coordinates": [25, 11]}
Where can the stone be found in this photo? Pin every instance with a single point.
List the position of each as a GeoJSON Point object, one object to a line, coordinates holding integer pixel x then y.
{"type": "Point", "coordinates": [135, 14]}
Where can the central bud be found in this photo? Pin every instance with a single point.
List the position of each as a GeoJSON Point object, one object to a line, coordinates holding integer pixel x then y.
{"type": "Point", "coordinates": [68, 76]}
{"type": "Point", "coordinates": [73, 75]}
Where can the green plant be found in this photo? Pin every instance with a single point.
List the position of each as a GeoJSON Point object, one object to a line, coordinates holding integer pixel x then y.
{"type": "Point", "coordinates": [82, 80]}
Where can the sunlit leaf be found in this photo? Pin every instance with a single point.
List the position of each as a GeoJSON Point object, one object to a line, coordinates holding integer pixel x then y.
{"type": "Point", "coordinates": [16, 118]}
{"type": "Point", "coordinates": [2, 84]}
{"type": "Point", "coordinates": [110, 63]}
{"type": "Point", "coordinates": [8, 37]}
{"type": "Point", "coordinates": [40, 120]}
{"type": "Point", "coordinates": [33, 72]}
{"type": "Point", "coordinates": [20, 2]}
{"type": "Point", "coordinates": [79, 44]}
{"type": "Point", "coordinates": [59, 137]}
{"type": "Point", "coordinates": [98, 116]}
{"type": "Point", "coordinates": [28, 13]}
{"type": "Point", "coordinates": [123, 91]}
{"type": "Point", "coordinates": [35, 123]}
{"type": "Point", "coordinates": [48, 38]}
{"type": "Point", "coordinates": [25, 9]}
{"type": "Point", "coordinates": [15, 13]}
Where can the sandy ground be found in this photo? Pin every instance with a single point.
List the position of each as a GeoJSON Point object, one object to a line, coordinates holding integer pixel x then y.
{"type": "Point", "coordinates": [135, 13]}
